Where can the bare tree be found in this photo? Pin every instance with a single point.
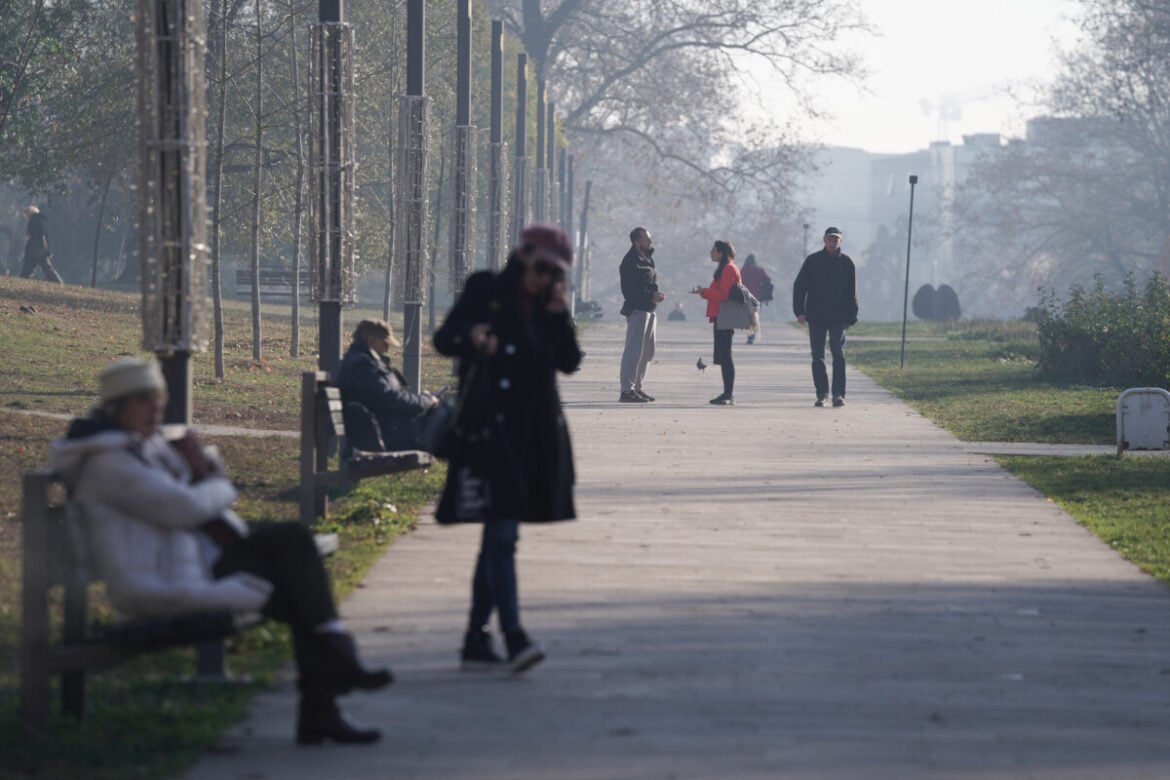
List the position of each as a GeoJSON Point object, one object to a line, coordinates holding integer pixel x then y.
{"type": "Point", "coordinates": [217, 186]}
{"type": "Point", "coordinates": [668, 75]}
{"type": "Point", "coordinates": [1087, 191]}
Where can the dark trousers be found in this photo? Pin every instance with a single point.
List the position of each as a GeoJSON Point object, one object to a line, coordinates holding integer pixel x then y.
{"type": "Point", "coordinates": [494, 584]}
{"type": "Point", "coordinates": [722, 358]}
{"type": "Point", "coordinates": [816, 338]}
{"type": "Point", "coordinates": [45, 262]}
{"type": "Point", "coordinates": [286, 555]}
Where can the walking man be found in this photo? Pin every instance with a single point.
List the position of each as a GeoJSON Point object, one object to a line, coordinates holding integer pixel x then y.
{"type": "Point", "coordinates": [639, 280]}
{"type": "Point", "coordinates": [36, 247]}
{"type": "Point", "coordinates": [825, 296]}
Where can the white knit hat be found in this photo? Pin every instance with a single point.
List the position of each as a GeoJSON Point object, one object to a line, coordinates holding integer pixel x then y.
{"type": "Point", "coordinates": [129, 375]}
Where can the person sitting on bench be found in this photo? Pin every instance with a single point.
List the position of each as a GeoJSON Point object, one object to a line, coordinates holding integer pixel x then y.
{"type": "Point", "coordinates": [381, 412]}
{"type": "Point", "coordinates": [158, 520]}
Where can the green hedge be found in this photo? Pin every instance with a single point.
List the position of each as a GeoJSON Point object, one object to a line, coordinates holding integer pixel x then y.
{"type": "Point", "coordinates": [1100, 336]}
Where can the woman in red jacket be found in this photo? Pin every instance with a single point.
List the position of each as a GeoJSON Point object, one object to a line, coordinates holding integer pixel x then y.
{"type": "Point", "coordinates": [726, 276]}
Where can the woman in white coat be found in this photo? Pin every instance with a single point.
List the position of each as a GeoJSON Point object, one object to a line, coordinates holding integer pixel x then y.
{"type": "Point", "coordinates": [158, 520]}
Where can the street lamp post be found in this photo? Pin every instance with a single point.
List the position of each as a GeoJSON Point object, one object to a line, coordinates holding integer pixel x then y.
{"type": "Point", "coordinates": [412, 263]}
{"type": "Point", "coordinates": [906, 290]}
{"type": "Point", "coordinates": [464, 181]}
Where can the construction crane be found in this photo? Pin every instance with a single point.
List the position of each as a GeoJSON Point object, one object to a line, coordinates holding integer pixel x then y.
{"type": "Point", "coordinates": [949, 108]}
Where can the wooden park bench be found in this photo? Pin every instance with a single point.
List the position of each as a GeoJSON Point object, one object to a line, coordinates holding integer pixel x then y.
{"type": "Point", "coordinates": [274, 283]}
{"type": "Point", "coordinates": [54, 555]}
{"type": "Point", "coordinates": [323, 428]}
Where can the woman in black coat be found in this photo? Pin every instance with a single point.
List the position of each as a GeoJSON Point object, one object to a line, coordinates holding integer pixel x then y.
{"type": "Point", "coordinates": [512, 333]}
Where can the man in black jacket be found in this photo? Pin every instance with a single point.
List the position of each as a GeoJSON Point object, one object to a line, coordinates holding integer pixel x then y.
{"type": "Point", "coordinates": [639, 280]}
{"type": "Point", "coordinates": [825, 296]}
{"type": "Point", "coordinates": [380, 408]}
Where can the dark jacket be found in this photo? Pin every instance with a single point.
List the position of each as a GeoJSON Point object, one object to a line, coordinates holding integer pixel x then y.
{"type": "Point", "coordinates": [518, 384]}
{"type": "Point", "coordinates": [825, 290]}
{"type": "Point", "coordinates": [37, 244]}
{"type": "Point", "coordinates": [639, 282]}
{"type": "Point", "coordinates": [368, 379]}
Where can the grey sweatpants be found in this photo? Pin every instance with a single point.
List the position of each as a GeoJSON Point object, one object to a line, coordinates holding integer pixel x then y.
{"type": "Point", "coordinates": [639, 349]}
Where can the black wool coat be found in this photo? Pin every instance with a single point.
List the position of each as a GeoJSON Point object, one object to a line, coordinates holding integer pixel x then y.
{"type": "Point", "coordinates": [518, 385]}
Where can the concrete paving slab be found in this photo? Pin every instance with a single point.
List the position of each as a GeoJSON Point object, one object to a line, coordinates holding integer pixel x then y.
{"type": "Point", "coordinates": [761, 591]}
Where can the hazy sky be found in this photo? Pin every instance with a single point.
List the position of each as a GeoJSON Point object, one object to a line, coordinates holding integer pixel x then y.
{"type": "Point", "coordinates": [967, 50]}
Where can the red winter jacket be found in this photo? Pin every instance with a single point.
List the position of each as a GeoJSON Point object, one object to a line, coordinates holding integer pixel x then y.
{"type": "Point", "coordinates": [717, 293]}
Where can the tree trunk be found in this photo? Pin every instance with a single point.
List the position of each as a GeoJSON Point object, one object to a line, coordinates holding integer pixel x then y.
{"type": "Point", "coordinates": [257, 160]}
{"type": "Point", "coordinates": [217, 174]}
{"type": "Point", "coordinates": [97, 236]}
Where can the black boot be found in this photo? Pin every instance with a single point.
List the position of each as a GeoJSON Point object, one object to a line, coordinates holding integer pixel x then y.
{"type": "Point", "coordinates": [477, 654]}
{"type": "Point", "coordinates": [523, 653]}
{"type": "Point", "coordinates": [320, 719]}
{"type": "Point", "coordinates": [341, 665]}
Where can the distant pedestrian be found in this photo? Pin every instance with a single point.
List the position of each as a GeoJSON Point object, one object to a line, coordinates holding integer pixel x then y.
{"type": "Point", "coordinates": [759, 284]}
{"type": "Point", "coordinates": [825, 296]}
{"type": "Point", "coordinates": [677, 314]}
{"type": "Point", "coordinates": [639, 279]}
{"type": "Point", "coordinates": [727, 275]}
{"type": "Point", "coordinates": [36, 247]}
{"type": "Point", "coordinates": [513, 461]}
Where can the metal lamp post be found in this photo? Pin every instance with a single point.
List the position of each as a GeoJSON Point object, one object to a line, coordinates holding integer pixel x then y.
{"type": "Point", "coordinates": [497, 221]}
{"type": "Point", "coordinates": [540, 174]}
{"type": "Point", "coordinates": [906, 290]}
{"type": "Point", "coordinates": [172, 207]}
{"type": "Point", "coordinates": [520, 172]}
{"type": "Point", "coordinates": [464, 179]}
{"type": "Point", "coordinates": [331, 178]}
{"type": "Point", "coordinates": [411, 261]}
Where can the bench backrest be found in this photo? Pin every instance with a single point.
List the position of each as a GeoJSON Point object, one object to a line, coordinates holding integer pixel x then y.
{"type": "Point", "coordinates": [329, 399]}
{"type": "Point", "coordinates": [52, 540]}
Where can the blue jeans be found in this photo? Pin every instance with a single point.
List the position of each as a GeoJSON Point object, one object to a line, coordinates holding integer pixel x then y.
{"type": "Point", "coordinates": [494, 584]}
{"type": "Point", "coordinates": [816, 339]}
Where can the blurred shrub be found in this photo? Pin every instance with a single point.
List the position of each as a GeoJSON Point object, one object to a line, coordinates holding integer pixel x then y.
{"type": "Point", "coordinates": [1104, 337]}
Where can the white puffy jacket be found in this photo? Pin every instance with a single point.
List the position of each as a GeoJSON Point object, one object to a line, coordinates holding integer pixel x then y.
{"type": "Point", "coordinates": [140, 512]}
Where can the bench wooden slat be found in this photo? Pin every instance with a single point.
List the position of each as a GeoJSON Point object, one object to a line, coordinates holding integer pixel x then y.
{"type": "Point", "coordinates": [379, 464]}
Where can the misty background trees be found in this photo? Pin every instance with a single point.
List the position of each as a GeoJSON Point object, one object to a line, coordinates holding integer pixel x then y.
{"type": "Point", "coordinates": [1087, 192]}
{"type": "Point", "coordinates": [690, 118]}
{"type": "Point", "coordinates": [652, 96]}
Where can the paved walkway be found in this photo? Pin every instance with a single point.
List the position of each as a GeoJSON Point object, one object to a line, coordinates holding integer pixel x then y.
{"type": "Point", "coordinates": [764, 591]}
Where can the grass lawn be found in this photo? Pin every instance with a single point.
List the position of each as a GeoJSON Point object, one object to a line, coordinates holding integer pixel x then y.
{"type": "Point", "coordinates": [978, 380]}
{"type": "Point", "coordinates": [50, 359]}
{"type": "Point", "coordinates": [143, 721]}
{"type": "Point", "coordinates": [1126, 502]}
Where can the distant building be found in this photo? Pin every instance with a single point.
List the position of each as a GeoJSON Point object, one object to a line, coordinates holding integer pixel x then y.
{"type": "Point", "coordinates": [868, 196]}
